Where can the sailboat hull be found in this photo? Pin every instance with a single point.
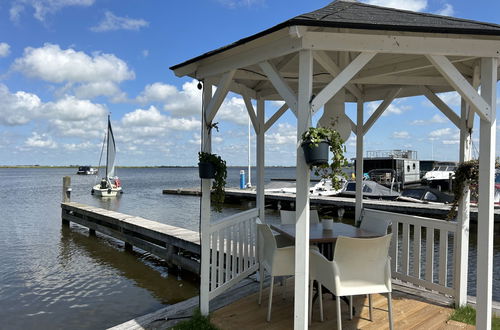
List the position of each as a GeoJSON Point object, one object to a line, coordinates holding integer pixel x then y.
{"type": "Point", "coordinates": [106, 192]}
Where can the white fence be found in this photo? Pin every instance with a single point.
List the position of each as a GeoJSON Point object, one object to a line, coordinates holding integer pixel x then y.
{"type": "Point", "coordinates": [233, 256]}
{"type": "Point", "coordinates": [422, 252]}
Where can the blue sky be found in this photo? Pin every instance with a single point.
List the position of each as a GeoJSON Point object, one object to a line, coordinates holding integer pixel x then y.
{"type": "Point", "coordinates": [64, 64]}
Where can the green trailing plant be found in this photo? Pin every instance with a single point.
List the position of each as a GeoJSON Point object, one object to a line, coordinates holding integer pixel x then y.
{"type": "Point", "coordinates": [333, 169]}
{"type": "Point", "coordinates": [218, 194]}
{"type": "Point", "coordinates": [466, 175]}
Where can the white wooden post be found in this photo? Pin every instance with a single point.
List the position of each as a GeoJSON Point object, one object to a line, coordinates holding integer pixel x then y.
{"type": "Point", "coordinates": [359, 162]}
{"type": "Point", "coordinates": [302, 196]}
{"type": "Point", "coordinates": [261, 133]}
{"type": "Point", "coordinates": [462, 237]}
{"type": "Point", "coordinates": [487, 136]}
{"type": "Point", "coordinates": [206, 185]}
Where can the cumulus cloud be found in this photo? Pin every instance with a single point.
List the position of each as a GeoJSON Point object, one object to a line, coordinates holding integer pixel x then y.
{"type": "Point", "coordinates": [186, 102]}
{"type": "Point", "coordinates": [440, 132]}
{"type": "Point", "coordinates": [18, 108]}
{"type": "Point", "coordinates": [447, 10]}
{"type": "Point", "coordinates": [111, 22]}
{"type": "Point", "coordinates": [42, 8]}
{"type": "Point", "coordinates": [413, 5]}
{"type": "Point", "coordinates": [53, 64]}
{"type": "Point", "coordinates": [43, 141]}
{"type": "Point", "coordinates": [396, 108]}
{"type": "Point", "coordinates": [4, 49]}
{"type": "Point", "coordinates": [436, 119]}
{"type": "Point", "coordinates": [72, 109]}
{"type": "Point", "coordinates": [234, 110]}
{"type": "Point", "coordinates": [100, 88]}
{"type": "Point", "coordinates": [160, 92]}
{"type": "Point", "coordinates": [282, 134]}
{"type": "Point", "coordinates": [240, 3]}
{"type": "Point", "coordinates": [400, 135]}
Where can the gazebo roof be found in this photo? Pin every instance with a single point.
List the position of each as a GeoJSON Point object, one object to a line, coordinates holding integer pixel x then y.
{"type": "Point", "coordinates": [356, 15]}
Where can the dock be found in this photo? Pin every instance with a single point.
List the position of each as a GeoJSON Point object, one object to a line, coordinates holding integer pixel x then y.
{"type": "Point", "coordinates": [287, 200]}
{"type": "Point", "coordinates": [179, 247]}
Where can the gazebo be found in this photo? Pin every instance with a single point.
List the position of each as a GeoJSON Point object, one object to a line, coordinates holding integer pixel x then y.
{"type": "Point", "coordinates": [353, 52]}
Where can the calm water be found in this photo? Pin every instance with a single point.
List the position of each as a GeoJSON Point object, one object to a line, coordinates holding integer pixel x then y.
{"type": "Point", "coordinates": [53, 277]}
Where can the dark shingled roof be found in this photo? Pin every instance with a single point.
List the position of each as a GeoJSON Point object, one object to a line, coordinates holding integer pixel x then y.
{"type": "Point", "coordinates": [357, 15]}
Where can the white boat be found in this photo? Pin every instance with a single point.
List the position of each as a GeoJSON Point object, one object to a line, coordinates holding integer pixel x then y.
{"type": "Point", "coordinates": [110, 185]}
{"type": "Point", "coordinates": [86, 170]}
{"type": "Point", "coordinates": [440, 174]}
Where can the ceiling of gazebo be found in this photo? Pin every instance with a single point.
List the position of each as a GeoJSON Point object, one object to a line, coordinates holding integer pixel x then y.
{"type": "Point", "coordinates": [280, 45]}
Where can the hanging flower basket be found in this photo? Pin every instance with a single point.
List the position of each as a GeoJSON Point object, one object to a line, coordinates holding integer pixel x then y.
{"type": "Point", "coordinates": [316, 153]}
{"type": "Point", "coordinates": [207, 170]}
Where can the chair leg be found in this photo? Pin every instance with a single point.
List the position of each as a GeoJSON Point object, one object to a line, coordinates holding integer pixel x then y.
{"type": "Point", "coordinates": [261, 275]}
{"type": "Point", "coordinates": [370, 306]}
{"type": "Point", "coordinates": [339, 314]}
{"type": "Point", "coordinates": [350, 307]}
{"type": "Point", "coordinates": [389, 301]}
{"type": "Point", "coordinates": [320, 295]}
{"type": "Point", "coordinates": [270, 299]}
{"type": "Point", "coordinates": [310, 300]}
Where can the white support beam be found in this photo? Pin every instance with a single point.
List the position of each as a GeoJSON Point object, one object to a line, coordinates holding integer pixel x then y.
{"type": "Point", "coordinates": [329, 65]}
{"type": "Point", "coordinates": [403, 80]}
{"type": "Point", "coordinates": [380, 109]}
{"type": "Point", "coordinates": [443, 107]}
{"type": "Point", "coordinates": [240, 89]}
{"type": "Point", "coordinates": [302, 196]}
{"type": "Point", "coordinates": [270, 122]}
{"type": "Point", "coordinates": [485, 218]}
{"type": "Point", "coordinates": [359, 162]}
{"type": "Point", "coordinates": [340, 80]}
{"type": "Point", "coordinates": [280, 84]}
{"type": "Point", "coordinates": [260, 202]}
{"type": "Point", "coordinates": [338, 41]}
{"type": "Point", "coordinates": [251, 112]}
{"type": "Point", "coordinates": [206, 186]}
{"type": "Point", "coordinates": [219, 96]}
{"type": "Point", "coordinates": [353, 125]}
{"type": "Point", "coordinates": [461, 85]}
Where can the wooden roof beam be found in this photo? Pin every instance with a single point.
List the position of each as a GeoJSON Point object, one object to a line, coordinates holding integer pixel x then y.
{"type": "Point", "coordinates": [281, 86]}
{"type": "Point", "coordinates": [380, 109]}
{"type": "Point", "coordinates": [443, 107]}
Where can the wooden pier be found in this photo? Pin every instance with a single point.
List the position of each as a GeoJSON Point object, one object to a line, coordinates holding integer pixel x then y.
{"type": "Point", "coordinates": [287, 199]}
{"type": "Point", "coordinates": [177, 246]}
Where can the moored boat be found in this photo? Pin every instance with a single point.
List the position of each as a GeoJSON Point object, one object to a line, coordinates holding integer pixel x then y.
{"type": "Point", "coordinates": [87, 170]}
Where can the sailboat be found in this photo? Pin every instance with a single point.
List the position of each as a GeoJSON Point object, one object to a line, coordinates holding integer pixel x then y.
{"type": "Point", "coordinates": [110, 185]}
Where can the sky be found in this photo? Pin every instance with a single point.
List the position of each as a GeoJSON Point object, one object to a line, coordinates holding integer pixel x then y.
{"type": "Point", "coordinates": [66, 64]}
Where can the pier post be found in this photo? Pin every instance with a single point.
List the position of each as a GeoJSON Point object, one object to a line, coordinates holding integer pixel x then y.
{"type": "Point", "coordinates": [66, 195]}
{"type": "Point", "coordinates": [129, 247]}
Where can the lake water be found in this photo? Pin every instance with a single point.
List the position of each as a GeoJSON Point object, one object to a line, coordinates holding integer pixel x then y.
{"type": "Point", "coordinates": [52, 277]}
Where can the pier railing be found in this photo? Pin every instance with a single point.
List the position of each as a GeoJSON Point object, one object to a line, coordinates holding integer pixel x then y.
{"type": "Point", "coordinates": [422, 251]}
{"type": "Point", "coordinates": [233, 255]}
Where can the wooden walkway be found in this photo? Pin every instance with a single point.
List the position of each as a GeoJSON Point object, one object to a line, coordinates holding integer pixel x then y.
{"type": "Point", "coordinates": [430, 210]}
{"type": "Point", "coordinates": [177, 246]}
{"type": "Point", "coordinates": [410, 312]}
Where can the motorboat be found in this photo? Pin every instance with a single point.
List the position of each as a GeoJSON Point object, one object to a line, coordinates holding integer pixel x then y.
{"type": "Point", "coordinates": [324, 188]}
{"type": "Point", "coordinates": [425, 195]}
{"type": "Point", "coordinates": [371, 189]}
{"type": "Point", "coordinates": [440, 175]}
{"type": "Point", "coordinates": [87, 170]}
{"type": "Point", "coordinates": [110, 185]}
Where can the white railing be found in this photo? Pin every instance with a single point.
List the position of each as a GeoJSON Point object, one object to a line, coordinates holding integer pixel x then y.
{"type": "Point", "coordinates": [421, 250]}
{"type": "Point", "coordinates": [233, 256]}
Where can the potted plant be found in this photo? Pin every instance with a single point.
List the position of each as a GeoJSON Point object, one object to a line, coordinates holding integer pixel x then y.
{"type": "Point", "coordinates": [466, 175]}
{"type": "Point", "coordinates": [316, 142]}
{"type": "Point", "coordinates": [212, 166]}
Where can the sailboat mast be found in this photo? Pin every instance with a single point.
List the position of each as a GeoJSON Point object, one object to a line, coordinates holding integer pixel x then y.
{"type": "Point", "coordinates": [107, 148]}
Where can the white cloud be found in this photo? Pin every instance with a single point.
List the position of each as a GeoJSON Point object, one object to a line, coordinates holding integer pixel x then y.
{"type": "Point", "coordinates": [447, 10]}
{"type": "Point", "coordinates": [145, 53]}
{"type": "Point", "coordinates": [40, 141]}
{"type": "Point", "coordinates": [451, 98]}
{"type": "Point", "coordinates": [42, 8]}
{"type": "Point", "coordinates": [72, 109]}
{"type": "Point", "coordinates": [159, 92]}
{"type": "Point", "coordinates": [400, 135]}
{"type": "Point", "coordinates": [53, 64]}
{"type": "Point", "coordinates": [18, 108]}
{"type": "Point", "coordinates": [4, 49]}
{"type": "Point", "coordinates": [413, 5]}
{"type": "Point", "coordinates": [80, 146]}
{"type": "Point", "coordinates": [100, 88]}
{"type": "Point", "coordinates": [233, 110]}
{"type": "Point", "coordinates": [440, 132]}
{"type": "Point", "coordinates": [436, 119]}
{"type": "Point", "coordinates": [186, 102]}
{"type": "Point", "coordinates": [282, 134]}
{"type": "Point", "coordinates": [395, 108]}
{"type": "Point", "coordinates": [240, 3]}
{"type": "Point", "coordinates": [111, 22]}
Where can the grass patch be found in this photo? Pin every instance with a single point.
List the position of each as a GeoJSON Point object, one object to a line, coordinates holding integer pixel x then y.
{"type": "Point", "coordinates": [467, 314]}
{"type": "Point", "coordinates": [196, 322]}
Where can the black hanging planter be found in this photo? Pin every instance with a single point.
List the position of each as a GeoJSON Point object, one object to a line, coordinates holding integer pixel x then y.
{"type": "Point", "coordinates": [207, 170]}
{"type": "Point", "coordinates": [316, 155]}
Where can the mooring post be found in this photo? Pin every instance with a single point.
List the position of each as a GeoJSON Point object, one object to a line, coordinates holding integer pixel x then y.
{"type": "Point", "coordinates": [66, 195]}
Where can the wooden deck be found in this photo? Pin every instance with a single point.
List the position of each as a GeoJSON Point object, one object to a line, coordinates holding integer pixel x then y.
{"type": "Point", "coordinates": [410, 312]}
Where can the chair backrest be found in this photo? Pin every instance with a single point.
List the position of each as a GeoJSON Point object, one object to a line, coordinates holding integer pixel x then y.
{"type": "Point", "coordinates": [288, 217]}
{"type": "Point", "coordinates": [363, 259]}
{"type": "Point", "coordinates": [267, 244]}
{"type": "Point", "coordinates": [375, 224]}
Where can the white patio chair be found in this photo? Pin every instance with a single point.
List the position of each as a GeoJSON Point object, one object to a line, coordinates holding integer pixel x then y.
{"type": "Point", "coordinates": [276, 261]}
{"type": "Point", "coordinates": [288, 217]}
{"type": "Point", "coordinates": [375, 225]}
{"type": "Point", "coordinates": [360, 266]}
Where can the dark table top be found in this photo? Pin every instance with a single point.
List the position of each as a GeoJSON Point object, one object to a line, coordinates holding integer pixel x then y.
{"type": "Point", "coordinates": [318, 235]}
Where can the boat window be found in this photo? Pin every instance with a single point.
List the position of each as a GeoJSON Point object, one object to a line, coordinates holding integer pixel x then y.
{"type": "Point", "coordinates": [414, 166]}
{"type": "Point", "coordinates": [351, 186]}
{"type": "Point", "coordinates": [430, 197]}
{"type": "Point", "coordinates": [408, 168]}
{"type": "Point", "coordinates": [367, 189]}
{"type": "Point", "coordinates": [413, 193]}
{"type": "Point", "coordinates": [497, 177]}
